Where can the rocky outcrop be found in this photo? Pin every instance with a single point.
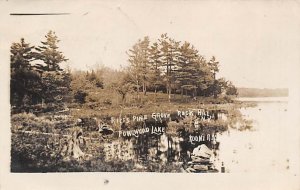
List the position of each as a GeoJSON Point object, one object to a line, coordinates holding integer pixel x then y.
{"type": "Point", "coordinates": [201, 160]}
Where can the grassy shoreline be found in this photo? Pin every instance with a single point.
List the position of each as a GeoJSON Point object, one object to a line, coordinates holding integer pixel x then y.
{"type": "Point", "coordinates": [35, 153]}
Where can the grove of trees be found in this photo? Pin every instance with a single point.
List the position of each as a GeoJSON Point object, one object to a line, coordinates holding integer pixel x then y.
{"type": "Point", "coordinates": [36, 73]}
{"type": "Point", "coordinates": [174, 67]}
{"type": "Point", "coordinates": [166, 66]}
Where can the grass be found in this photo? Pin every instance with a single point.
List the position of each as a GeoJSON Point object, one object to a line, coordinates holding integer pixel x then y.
{"type": "Point", "coordinates": [41, 153]}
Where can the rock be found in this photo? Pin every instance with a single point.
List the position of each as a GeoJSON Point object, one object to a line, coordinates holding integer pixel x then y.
{"type": "Point", "coordinates": [199, 159]}
{"type": "Point", "coordinates": [190, 163]}
{"type": "Point", "coordinates": [200, 167]}
{"type": "Point", "coordinates": [190, 170]}
{"type": "Point", "coordinates": [106, 130]}
{"type": "Point", "coordinates": [202, 151]}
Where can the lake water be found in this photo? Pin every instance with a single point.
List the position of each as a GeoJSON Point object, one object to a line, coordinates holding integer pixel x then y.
{"type": "Point", "coordinates": [263, 149]}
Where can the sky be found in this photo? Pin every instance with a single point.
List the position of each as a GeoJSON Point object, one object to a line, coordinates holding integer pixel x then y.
{"type": "Point", "coordinates": [256, 42]}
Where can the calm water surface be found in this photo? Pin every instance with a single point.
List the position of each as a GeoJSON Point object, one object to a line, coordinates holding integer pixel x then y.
{"type": "Point", "coordinates": [263, 149]}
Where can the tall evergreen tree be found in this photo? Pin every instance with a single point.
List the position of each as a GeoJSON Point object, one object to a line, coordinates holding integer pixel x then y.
{"type": "Point", "coordinates": [56, 81]}
{"type": "Point", "coordinates": [139, 64]}
{"type": "Point", "coordinates": [214, 66]}
{"type": "Point", "coordinates": [50, 55]}
{"type": "Point", "coordinates": [25, 82]}
{"type": "Point", "coordinates": [170, 65]}
{"type": "Point", "coordinates": [169, 59]}
{"type": "Point", "coordinates": [187, 71]}
{"type": "Point", "coordinates": [155, 67]}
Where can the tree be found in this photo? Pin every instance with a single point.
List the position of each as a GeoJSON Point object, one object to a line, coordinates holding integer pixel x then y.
{"type": "Point", "coordinates": [56, 87]}
{"type": "Point", "coordinates": [170, 65]}
{"type": "Point", "coordinates": [231, 90]}
{"type": "Point", "coordinates": [155, 65]}
{"type": "Point", "coordinates": [214, 66]}
{"type": "Point", "coordinates": [55, 81]}
{"type": "Point", "coordinates": [205, 78]}
{"type": "Point", "coordinates": [169, 58]}
{"type": "Point", "coordinates": [25, 82]}
{"type": "Point", "coordinates": [95, 78]}
{"type": "Point", "coordinates": [49, 53]}
{"type": "Point", "coordinates": [139, 64]}
{"type": "Point", "coordinates": [187, 71]}
{"type": "Point", "coordinates": [123, 86]}
{"type": "Point", "coordinates": [21, 55]}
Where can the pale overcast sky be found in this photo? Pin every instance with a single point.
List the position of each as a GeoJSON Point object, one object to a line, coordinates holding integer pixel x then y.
{"type": "Point", "coordinates": [255, 42]}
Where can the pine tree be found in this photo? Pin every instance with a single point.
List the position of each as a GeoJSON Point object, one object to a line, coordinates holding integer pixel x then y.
{"type": "Point", "coordinates": [49, 53]}
{"type": "Point", "coordinates": [55, 81]}
{"type": "Point", "coordinates": [25, 82]}
{"type": "Point", "coordinates": [186, 73]}
{"type": "Point", "coordinates": [169, 59]}
{"type": "Point", "coordinates": [214, 66]}
{"type": "Point", "coordinates": [155, 67]}
{"type": "Point", "coordinates": [21, 55]}
{"type": "Point", "coordinates": [231, 90]}
{"type": "Point", "coordinates": [139, 65]}
{"type": "Point", "coordinates": [145, 63]}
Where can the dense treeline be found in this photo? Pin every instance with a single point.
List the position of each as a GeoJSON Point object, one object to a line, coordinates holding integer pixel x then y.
{"type": "Point", "coordinates": [174, 67]}
{"type": "Point", "coordinates": [165, 66]}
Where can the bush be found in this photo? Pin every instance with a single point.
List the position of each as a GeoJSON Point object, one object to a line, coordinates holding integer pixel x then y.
{"type": "Point", "coordinates": [80, 96]}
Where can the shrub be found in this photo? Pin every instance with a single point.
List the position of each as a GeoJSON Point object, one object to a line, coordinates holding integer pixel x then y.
{"type": "Point", "coordinates": [80, 96]}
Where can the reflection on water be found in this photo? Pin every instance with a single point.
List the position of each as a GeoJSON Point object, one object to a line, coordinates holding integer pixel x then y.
{"type": "Point", "coordinates": [252, 141]}
{"type": "Point", "coordinates": [261, 150]}
{"type": "Point", "coordinates": [222, 138]}
{"type": "Point", "coordinates": [187, 142]}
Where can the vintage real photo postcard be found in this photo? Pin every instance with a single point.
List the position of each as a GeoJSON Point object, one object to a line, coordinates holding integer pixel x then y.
{"type": "Point", "coordinates": [190, 87]}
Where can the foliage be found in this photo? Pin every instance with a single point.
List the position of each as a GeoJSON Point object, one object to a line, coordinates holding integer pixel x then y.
{"type": "Point", "coordinates": [231, 89]}
{"type": "Point", "coordinates": [49, 53]}
{"type": "Point", "coordinates": [139, 64]}
{"type": "Point", "coordinates": [25, 81]}
{"type": "Point", "coordinates": [95, 78]}
{"type": "Point", "coordinates": [176, 68]}
{"type": "Point", "coordinates": [80, 96]}
{"type": "Point", "coordinates": [124, 86]}
{"type": "Point", "coordinates": [34, 82]}
{"type": "Point", "coordinates": [164, 70]}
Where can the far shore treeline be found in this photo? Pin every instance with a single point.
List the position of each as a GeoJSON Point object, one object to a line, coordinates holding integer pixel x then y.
{"type": "Point", "coordinates": [263, 92]}
{"type": "Point", "coordinates": [164, 69]}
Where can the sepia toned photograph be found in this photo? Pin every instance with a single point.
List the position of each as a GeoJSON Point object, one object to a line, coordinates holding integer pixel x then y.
{"type": "Point", "coordinates": [152, 86]}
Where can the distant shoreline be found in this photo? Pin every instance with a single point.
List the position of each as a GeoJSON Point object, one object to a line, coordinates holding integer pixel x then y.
{"type": "Point", "coordinates": [262, 99]}
{"type": "Point", "coordinates": [262, 93]}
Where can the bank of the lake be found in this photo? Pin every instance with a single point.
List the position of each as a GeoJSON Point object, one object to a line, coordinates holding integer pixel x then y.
{"type": "Point", "coordinates": [165, 143]}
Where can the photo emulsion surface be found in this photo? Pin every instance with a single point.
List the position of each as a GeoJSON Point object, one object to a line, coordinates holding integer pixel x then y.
{"type": "Point", "coordinates": [169, 87]}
